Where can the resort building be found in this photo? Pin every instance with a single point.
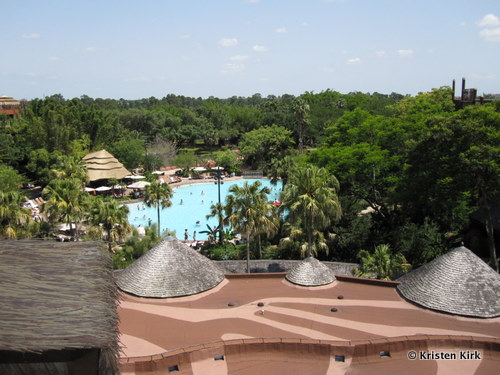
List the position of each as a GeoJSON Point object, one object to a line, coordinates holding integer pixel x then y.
{"type": "Point", "coordinates": [9, 106]}
{"type": "Point", "coordinates": [180, 313]}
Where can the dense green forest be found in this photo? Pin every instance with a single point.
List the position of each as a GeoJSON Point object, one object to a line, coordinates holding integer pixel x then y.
{"type": "Point", "coordinates": [411, 169]}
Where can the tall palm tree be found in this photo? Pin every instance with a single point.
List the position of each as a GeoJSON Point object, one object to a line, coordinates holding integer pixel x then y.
{"type": "Point", "coordinates": [301, 112]}
{"type": "Point", "coordinates": [249, 212]}
{"type": "Point", "coordinates": [14, 219]}
{"type": "Point", "coordinates": [157, 195]}
{"type": "Point", "coordinates": [311, 200]}
{"type": "Point", "coordinates": [109, 221]}
{"type": "Point", "coordinates": [66, 201]}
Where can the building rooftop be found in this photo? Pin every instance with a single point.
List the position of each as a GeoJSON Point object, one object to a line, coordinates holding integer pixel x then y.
{"type": "Point", "coordinates": [310, 272]}
{"type": "Point", "coordinates": [169, 269]}
{"type": "Point", "coordinates": [458, 282]}
{"type": "Point", "coordinates": [262, 323]}
{"type": "Point", "coordinates": [54, 297]}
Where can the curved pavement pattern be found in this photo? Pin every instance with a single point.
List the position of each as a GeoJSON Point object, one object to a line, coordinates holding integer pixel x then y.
{"type": "Point", "coordinates": [268, 306]}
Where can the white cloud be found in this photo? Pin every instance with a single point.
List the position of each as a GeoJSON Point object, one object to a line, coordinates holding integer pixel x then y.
{"type": "Point", "coordinates": [355, 60]}
{"type": "Point", "coordinates": [281, 30]}
{"type": "Point", "coordinates": [462, 24]}
{"type": "Point", "coordinates": [228, 42]}
{"type": "Point", "coordinates": [485, 77]}
{"type": "Point", "coordinates": [380, 53]}
{"type": "Point", "coordinates": [258, 48]}
{"type": "Point", "coordinates": [305, 23]}
{"type": "Point", "coordinates": [252, 1]}
{"type": "Point", "coordinates": [137, 79]}
{"type": "Point", "coordinates": [53, 58]}
{"type": "Point", "coordinates": [239, 58]}
{"type": "Point", "coordinates": [491, 35]}
{"type": "Point", "coordinates": [405, 52]}
{"type": "Point", "coordinates": [488, 21]}
{"type": "Point", "coordinates": [232, 68]}
{"type": "Point", "coordinates": [31, 36]}
{"type": "Point", "coordinates": [91, 49]}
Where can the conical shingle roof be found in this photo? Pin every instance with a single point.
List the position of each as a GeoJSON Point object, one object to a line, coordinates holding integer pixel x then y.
{"type": "Point", "coordinates": [170, 269]}
{"type": "Point", "coordinates": [458, 282]}
{"type": "Point", "coordinates": [102, 165]}
{"type": "Point", "coordinates": [310, 272]}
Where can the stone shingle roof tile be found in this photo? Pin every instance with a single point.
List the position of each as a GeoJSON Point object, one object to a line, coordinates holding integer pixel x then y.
{"type": "Point", "coordinates": [170, 269]}
{"type": "Point", "coordinates": [458, 282]}
{"type": "Point", "coordinates": [310, 272]}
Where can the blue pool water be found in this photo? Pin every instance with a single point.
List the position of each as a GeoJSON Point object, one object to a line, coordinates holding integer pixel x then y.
{"type": "Point", "coordinates": [190, 203]}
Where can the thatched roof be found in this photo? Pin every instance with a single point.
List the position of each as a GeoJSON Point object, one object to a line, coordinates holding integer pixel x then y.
{"type": "Point", "coordinates": [102, 165]}
{"type": "Point", "coordinates": [58, 296]}
{"type": "Point", "coordinates": [458, 282]}
{"type": "Point", "coordinates": [170, 269]}
{"type": "Point", "coordinates": [310, 272]}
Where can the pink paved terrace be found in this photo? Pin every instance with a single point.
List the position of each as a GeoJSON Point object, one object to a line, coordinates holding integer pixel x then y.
{"type": "Point", "coordinates": [263, 324]}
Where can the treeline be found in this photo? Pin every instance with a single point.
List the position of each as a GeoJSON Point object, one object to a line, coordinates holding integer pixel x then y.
{"type": "Point", "coordinates": [54, 125]}
{"type": "Point", "coordinates": [411, 168]}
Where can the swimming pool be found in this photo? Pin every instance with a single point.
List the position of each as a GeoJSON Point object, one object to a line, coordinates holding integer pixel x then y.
{"type": "Point", "coordinates": [190, 204]}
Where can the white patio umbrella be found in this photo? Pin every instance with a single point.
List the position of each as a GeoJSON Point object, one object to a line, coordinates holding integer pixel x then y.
{"type": "Point", "coordinates": [138, 185]}
{"type": "Point", "coordinates": [103, 188]}
{"type": "Point", "coordinates": [135, 177]}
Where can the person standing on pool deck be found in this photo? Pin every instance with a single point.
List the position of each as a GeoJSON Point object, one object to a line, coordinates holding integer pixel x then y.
{"type": "Point", "coordinates": [186, 234]}
{"type": "Point", "coordinates": [194, 236]}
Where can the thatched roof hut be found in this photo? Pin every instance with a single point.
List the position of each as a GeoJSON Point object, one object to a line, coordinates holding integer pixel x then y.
{"type": "Point", "coordinates": [310, 272]}
{"type": "Point", "coordinates": [102, 165]}
{"type": "Point", "coordinates": [170, 269]}
{"type": "Point", "coordinates": [458, 282]}
{"type": "Point", "coordinates": [58, 308]}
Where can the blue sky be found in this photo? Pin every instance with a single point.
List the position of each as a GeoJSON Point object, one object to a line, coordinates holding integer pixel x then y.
{"type": "Point", "coordinates": [134, 49]}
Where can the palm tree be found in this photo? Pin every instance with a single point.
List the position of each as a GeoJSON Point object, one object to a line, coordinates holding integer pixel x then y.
{"type": "Point", "coordinates": [381, 263]}
{"type": "Point", "coordinates": [311, 200]}
{"type": "Point", "coordinates": [279, 169]}
{"type": "Point", "coordinates": [296, 233]}
{"type": "Point", "coordinates": [70, 167]}
{"type": "Point", "coordinates": [14, 219]}
{"type": "Point", "coordinates": [66, 201]}
{"type": "Point", "coordinates": [217, 209]}
{"type": "Point", "coordinates": [109, 220]}
{"type": "Point", "coordinates": [157, 195]}
{"type": "Point", "coordinates": [249, 212]}
{"type": "Point", "coordinates": [301, 111]}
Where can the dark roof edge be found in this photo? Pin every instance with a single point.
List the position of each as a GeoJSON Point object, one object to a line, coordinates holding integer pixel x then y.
{"type": "Point", "coordinates": [361, 280]}
{"type": "Point", "coordinates": [271, 275]}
